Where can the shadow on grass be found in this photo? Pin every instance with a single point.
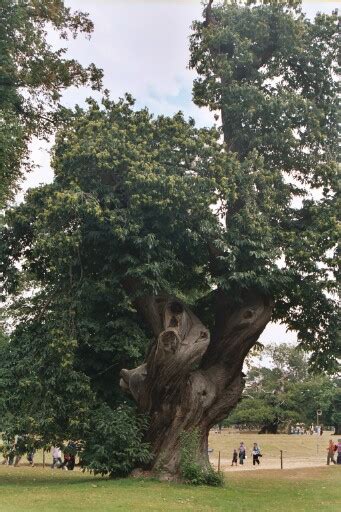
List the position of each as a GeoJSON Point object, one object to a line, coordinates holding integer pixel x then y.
{"type": "Point", "coordinates": [11, 476]}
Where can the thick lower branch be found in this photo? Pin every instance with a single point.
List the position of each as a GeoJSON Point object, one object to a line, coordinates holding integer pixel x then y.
{"type": "Point", "coordinates": [237, 326]}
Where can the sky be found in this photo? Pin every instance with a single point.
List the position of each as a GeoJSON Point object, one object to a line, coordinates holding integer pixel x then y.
{"type": "Point", "coordinates": [142, 46]}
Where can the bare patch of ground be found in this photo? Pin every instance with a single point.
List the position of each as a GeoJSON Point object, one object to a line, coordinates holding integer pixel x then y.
{"type": "Point", "coordinates": [299, 451]}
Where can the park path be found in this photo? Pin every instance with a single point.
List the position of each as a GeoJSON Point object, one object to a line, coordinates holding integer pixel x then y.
{"type": "Point", "coordinates": [271, 463]}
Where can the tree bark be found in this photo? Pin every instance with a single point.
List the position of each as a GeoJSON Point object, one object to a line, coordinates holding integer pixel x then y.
{"type": "Point", "coordinates": [192, 380]}
{"type": "Point", "coordinates": [337, 430]}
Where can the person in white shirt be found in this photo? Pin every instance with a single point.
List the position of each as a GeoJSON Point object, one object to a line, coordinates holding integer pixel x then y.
{"type": "Point", "coordinates": [56, 457]}
{"type": "Point", "coordinates": [256, 454]}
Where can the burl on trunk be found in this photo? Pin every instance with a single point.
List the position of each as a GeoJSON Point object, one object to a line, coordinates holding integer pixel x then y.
{"type": "Point", "coordinates": [192, 379]}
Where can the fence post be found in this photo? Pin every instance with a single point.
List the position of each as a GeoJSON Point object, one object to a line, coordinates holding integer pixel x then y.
{"type": "Point", "coordinates": [43, 458]}
{"type": "Point", "coordinates": [281, 459]}
{"type": "Point", "coordinates": [219, 461]}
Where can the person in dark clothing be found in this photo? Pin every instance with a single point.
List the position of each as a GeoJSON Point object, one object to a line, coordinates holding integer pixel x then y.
{"type": "Point", "coordinates": [242, 453]}
{"type": "Point", "coordinates": [338, 450]}
{"type": "Point", "coordinates": [234, 457]}
{"type": "Point", "coordinates": [20, 448]}
{"type": "Point", "coordinates": [69, 461]}
{"type": "Point", "coordinates": [30, 457]}
{"type": "Point", "coordinates": [69, 457]}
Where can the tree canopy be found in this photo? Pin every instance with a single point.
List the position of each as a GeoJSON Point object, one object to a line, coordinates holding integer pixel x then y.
{"type": "Point", "coordinates": [271, 73]}
{"type": "Point", "coordinates": [127, 188]}
{"type": "Point", "coordinates": [33, 77]}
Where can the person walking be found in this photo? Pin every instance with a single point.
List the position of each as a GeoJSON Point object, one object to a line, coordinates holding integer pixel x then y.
{"type": "Point", "coordinates": [255, 454]}
{"type": "Point", "coordinates": [242, 453]}
{"type": "Point", "coordinates": [235, 457]}
{"type": "Point", "coordinates": [30, 457]}
{"type": "Point", "coordinates": [8, 451]}
{"type": "Point", "coordinates": [56, 457]}
{"type": "Point", "coordinates": [338, 448]}
{"type": "Point", "coordinates": [20, 448]}
{"type": "Point", "coordinates": [330, 452]}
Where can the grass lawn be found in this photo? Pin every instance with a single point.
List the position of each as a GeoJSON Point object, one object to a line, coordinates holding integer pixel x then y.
{"type": "Point", "coordinates": [34, 489]}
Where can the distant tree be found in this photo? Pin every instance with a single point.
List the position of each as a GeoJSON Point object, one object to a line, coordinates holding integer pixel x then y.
{"type": "Point", "coordinates": [336, 409]}
{"type": "Point", "coordinates": [315, 393]}
{"type": "Point", "coordinates": [33, 78]}
{"type": "Point", "coordinates": [281, 392]}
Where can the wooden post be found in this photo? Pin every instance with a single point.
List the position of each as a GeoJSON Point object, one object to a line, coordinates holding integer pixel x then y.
{"type": "Point", "coordinates": [43, 458]}
{"type": "Point", "coordinates": [281, 459]}
{"type": "Point", "coordinates": [218, 461]}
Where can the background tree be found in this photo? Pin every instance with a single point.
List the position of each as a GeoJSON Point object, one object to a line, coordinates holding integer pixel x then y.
{"type": "Point", "coordinates": [336, 409]}
{"type": "Point", "coordinates": [282, 392]}
{"type": "Point", "coordinates": [156, 235]}
{"type": "Point", "coordinates": [33, 77]}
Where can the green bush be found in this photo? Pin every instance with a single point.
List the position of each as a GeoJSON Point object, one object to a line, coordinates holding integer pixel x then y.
{"type": "Point", "coordinates": [191, 471]}
{"type": "Point", "coordinates": [114, 444]}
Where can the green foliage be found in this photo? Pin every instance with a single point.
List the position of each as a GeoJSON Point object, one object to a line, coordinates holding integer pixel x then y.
{"type": "Point", "coordinates": [271, 73]}
{"type": "Point", "coordinates": [283, 392]}
{"type": "Point", "coordinates": [33, 77]}
{"type": "Point", "coordinates": [54, 399]}
{"type": "Point", "coordinates": [336, 409]}
{"type": "Point", "coordinates": [128, 213]}
{"type": "Point", "coordinates": [191, 470]}
{"type": "Point", "coordinates": [114, 443]}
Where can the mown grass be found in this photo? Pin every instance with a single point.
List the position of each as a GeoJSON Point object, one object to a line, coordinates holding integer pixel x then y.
{"type": "Point", "coordinates": [34, 489]}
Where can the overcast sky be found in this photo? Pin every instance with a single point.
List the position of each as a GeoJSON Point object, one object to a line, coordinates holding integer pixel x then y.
{"type": "Point", "coordinates": [142, 46]}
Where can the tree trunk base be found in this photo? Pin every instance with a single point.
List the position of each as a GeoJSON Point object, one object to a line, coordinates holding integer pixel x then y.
{"type": "Point", "coordinates": [162, 476]}
{"type": "Point", "coordinates": [190, 381]}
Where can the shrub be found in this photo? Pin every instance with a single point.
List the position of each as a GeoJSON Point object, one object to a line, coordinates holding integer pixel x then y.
{"type": "Point", "coordinates": [114, 444]}
{"type": "Point", "coordinates": [191, 471]}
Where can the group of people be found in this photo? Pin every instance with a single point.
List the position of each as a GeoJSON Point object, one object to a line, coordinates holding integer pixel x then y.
{"type": "Point", "coordinates": [14, 450]}
{"type": "Point", "coordinates": [241, 454]}
{"type": "Point", "coordinates": [300, 428]}
{"type": "Point", "coordinates": [69, 458]}
{"type": "Point", "coordinates": [334, 450]}
{"type": "Point", "coordinates": [333, 453]}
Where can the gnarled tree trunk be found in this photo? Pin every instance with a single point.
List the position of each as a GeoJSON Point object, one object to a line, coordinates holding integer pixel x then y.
{"type": "Point", "coordinates": [337, 430]}
{"type": "Point", "coordinates": [191, 379]}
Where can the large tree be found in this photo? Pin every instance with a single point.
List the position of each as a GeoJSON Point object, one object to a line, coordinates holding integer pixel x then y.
{"type": "Point", "coordinates": [33, 76]}
{"type": "Point", "coordinates": [155, 230]}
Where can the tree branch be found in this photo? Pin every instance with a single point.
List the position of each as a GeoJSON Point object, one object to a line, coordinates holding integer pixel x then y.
{"type": "Point", "coordinates": [180, 346]}
{"type": "Point", "coordinates": [237, 326]}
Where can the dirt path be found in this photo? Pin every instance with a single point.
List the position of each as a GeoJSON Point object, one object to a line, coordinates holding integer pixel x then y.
{"type": "Point", "coordinates": [299, 451]}
{"type": "Point", "coordinates": [270, 463]}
